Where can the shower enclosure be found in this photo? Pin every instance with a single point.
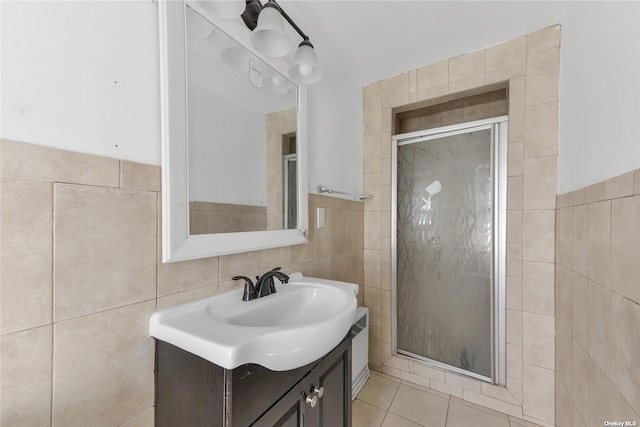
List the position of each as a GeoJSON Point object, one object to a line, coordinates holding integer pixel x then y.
{"type": "Point", "coordinates": [448, 255]}
{"type": "Point", "coordinates": [290, 193]}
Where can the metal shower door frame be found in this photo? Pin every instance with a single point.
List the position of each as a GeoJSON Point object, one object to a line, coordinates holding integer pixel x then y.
{"type": "Point", "coordinates": [499, 142]}
{"type": "Point", "coordinates": [286, 160]}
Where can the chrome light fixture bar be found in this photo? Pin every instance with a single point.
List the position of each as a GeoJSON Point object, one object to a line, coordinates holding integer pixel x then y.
{"type": "Point", "coordinates": [269, 37]}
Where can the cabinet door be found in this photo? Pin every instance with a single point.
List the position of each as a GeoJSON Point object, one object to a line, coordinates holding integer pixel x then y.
{"type": "Point", "coordinates": [256, 389]}
{"type": "Point", "coordinates": [303, 406]}
{"type": "Point", "coordinates": [286, 412]}
{"type": "Point", "coordinates": [333, 377]}
{"type": "Point", "coordinates": [189, 389]}
{"type": "Point", "coordinates": [333, 408]}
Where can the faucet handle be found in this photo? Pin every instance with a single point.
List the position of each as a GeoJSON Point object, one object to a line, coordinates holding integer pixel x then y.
{"type": "Point", "coordinates": [272, 285]}
{"type": "Point", "coordinates": [249, 290]}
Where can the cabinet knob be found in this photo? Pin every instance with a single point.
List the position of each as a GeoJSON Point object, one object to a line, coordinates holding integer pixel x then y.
{"type": "Point", "coordinates": [312, 400]}
{"type": "Point", "coordinates": [319, 391]}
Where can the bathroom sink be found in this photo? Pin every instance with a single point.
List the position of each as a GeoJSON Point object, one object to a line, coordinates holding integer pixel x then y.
{"type": "Point", "coordinates": [302, 322]}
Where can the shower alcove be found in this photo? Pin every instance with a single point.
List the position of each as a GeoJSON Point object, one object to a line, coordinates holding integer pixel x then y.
{"type": "Point", "coordinates": [448, 197]}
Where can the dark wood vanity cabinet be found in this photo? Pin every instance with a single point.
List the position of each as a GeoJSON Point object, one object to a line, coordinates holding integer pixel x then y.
{"type": "Point", "coordinates": [193, 392]}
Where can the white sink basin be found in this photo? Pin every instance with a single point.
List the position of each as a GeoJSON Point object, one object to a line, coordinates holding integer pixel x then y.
{"type": "Point", "coordinates": [302, 322]}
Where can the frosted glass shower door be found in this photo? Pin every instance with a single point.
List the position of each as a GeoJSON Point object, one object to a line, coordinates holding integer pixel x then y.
{"type": "Point", "coordinates": [444, 254]}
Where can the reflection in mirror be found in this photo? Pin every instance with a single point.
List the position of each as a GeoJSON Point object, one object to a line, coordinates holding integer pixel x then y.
{"type": "Point", "coordinates": [242, 121]}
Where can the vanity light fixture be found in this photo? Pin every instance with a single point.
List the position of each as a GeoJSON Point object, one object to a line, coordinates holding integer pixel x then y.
{"type": "Point", "coordinates": [270, 39]}
{"type": "Point", "coordinates": [305, 66]}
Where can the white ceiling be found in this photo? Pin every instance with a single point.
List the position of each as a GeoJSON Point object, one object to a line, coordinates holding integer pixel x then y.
{"type": "Point", "coordinates": [368, 41]}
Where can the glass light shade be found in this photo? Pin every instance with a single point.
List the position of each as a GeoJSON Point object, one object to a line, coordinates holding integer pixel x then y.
{"type": "Point", "coordinates": [224, 8]}
{"type": "Point", "coordinates": [277, 80]}
{"type": "Point", "coordinates": [276, 84]}
{"type": "Point", "coordinates": [305, 69]}
{"type": "Point", "coordinates": [269, 37]}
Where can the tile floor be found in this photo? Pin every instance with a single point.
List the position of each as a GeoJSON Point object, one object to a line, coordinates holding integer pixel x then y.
{"type": "Point", "coordinates": [388, 402]}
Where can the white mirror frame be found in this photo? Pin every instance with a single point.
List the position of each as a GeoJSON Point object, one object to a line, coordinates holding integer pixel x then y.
{"type": "Point", "coordinates": [177, 243]}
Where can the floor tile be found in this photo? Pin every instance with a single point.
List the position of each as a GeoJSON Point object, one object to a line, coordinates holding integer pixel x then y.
{"type": "Point", "coordinates": [462, 415]}
{"type": "Point", "coordinates": [420, 406]}
{"type": "Point", "coordinates": [389, 402]}
{"type": "Point", "coordinates": [514, 422]}
{"type": "Point", "coordinates": [365, 415]}
{"type": "Point", "coordinates": [392, 420]}
{"type": "Point", "coordinates": [379, 391]}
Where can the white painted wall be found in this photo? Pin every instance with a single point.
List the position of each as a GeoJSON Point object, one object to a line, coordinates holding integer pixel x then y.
{"type": "Point", "coordinates": [83, 76]}
{"type": "Point", "coordinates": [335, 135]}
{"type": "Point", "coordinates": [599, 93]}
{"type": "Point", "coordinates": [227, 152]}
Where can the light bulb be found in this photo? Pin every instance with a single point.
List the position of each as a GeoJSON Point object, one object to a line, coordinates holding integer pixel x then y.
{"type": "Point", "coordinates": [305, 69]}
{"type": "Point", "coordinates": [277, 79]}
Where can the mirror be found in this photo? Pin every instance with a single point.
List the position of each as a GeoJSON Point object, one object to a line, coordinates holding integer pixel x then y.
{"type": "Point", "coordinates": [240, 111]}
{"type": "Point", "coordinates": [233, 140]}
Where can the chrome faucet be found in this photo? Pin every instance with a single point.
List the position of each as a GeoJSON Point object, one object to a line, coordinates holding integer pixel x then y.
{"type": "Point", "coordinates": [264, 284]}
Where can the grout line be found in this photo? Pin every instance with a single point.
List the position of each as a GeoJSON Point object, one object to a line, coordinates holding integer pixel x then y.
{"type": "Point", "coordinates": [446, 418]}
{"type": "Point", "coordinates": [386, 414]}
{"type": "Point", "coordinates": [394, 396]}
{"type": "Point", "coordinates": [120, 184]}
{"type": "Point", "coordinates": [105, 310]}
{"type": "Point", "coordinates": [53, 288]}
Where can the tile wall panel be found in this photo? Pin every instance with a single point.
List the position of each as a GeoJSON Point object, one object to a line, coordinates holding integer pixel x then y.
{"type": "Point", "coordinates": [105, 249]}
{"type": "Point", "coordinates": [103, 367]}
{"type": "Point", "coordinates": [599, 379]}
{"type": "Point", "coordinates": [26, 254]}
{"type": "Point", "coordinates": [476, 107]}
{"type": "Point", "coordinates": [34, 162]}
{"type": "Point", "coordinates": [74, 344]}
{"type": "Point", "coordinates": [26, 377]}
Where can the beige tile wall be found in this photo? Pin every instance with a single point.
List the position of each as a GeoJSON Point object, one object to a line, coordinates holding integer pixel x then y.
{"type": "Point", "coordinates": [528, 67]}
{"type": "Point", "coordinates": [598, 303]}
{"type": "Point", "coordinates": [475, 107]}
{"type": "Point", "coordinates": [208, 218]}
{"type": "Point", "coordinates": [81, 275]}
